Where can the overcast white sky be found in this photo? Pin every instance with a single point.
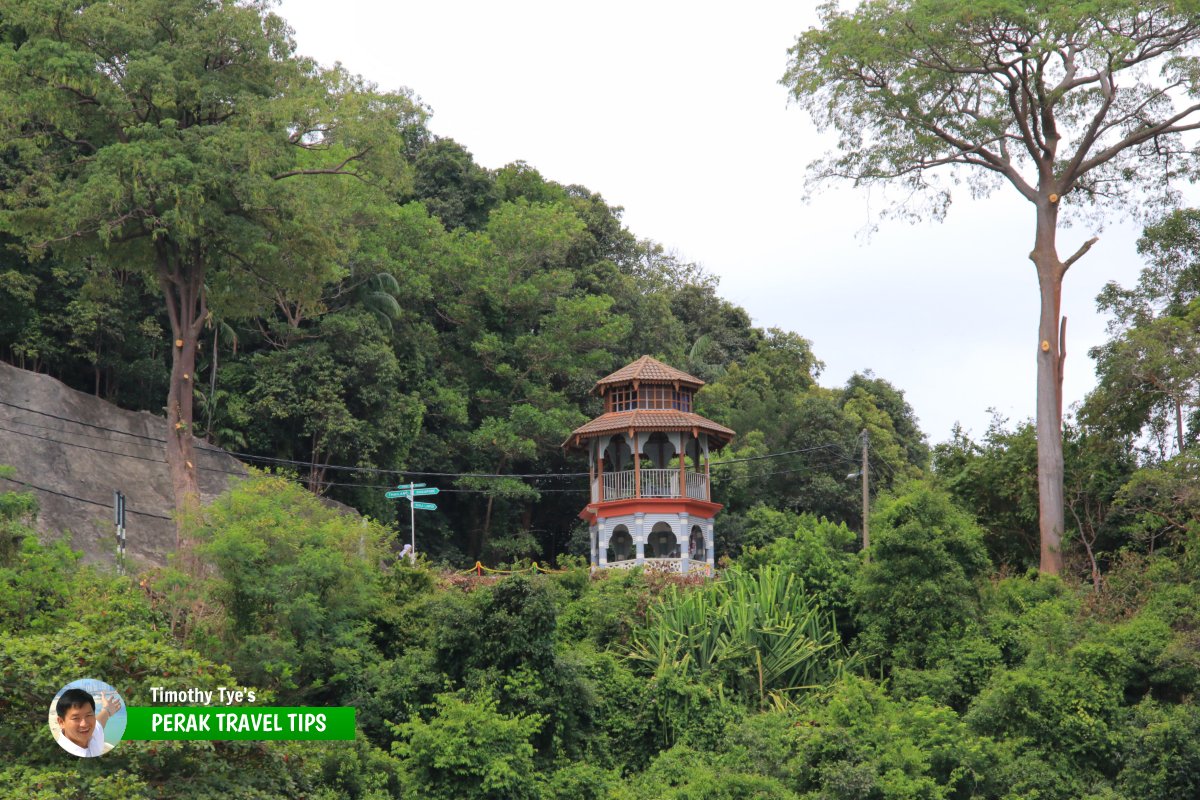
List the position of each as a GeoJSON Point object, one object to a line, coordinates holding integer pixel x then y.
{"type": "Point", "coordinates": [674, 111]}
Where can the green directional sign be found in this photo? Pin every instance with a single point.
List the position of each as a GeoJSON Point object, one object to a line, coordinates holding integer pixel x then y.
{"type": "Point", "coordinates": [408, 494]}
{"type": "Point", "coordinates": [409, 491]}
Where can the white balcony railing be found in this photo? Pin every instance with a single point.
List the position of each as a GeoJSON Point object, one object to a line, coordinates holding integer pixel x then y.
{"type": "Point", "coordinates": [655, 483]}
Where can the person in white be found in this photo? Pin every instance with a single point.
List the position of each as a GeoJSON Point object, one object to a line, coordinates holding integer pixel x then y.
{"type": "Point", "coordinates": [82, 729]}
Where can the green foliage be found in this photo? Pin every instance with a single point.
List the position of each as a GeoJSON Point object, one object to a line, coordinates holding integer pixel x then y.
{"type": "Point", "coordinates": [878, 406]}
{"type": "Point", "coordinates": [439, 316]}
{"type": "Point", "coordinates": [997, 479]}
{"type": "Point", "coordinates": [52, 783]}
{"type": "Point", "coordinates": [613, 607]}
{"type": "Point", "coordinates": [820, 554]}
{"type": "Point", "coordinates": [918, 594]}
{"type": "Point", "coordinates": [1159, 506]}
{"type": "Point", "coordinates": [771, 399]}
{"type": "Point", "coordinates": [1063, 719]}
{"type": "Point", "coordinates": [298, 584]}
{"type": "Point", "coordinates": [467, 750]}
{"type": "Point", "coordinates": [683, 773]}
{"type": "Point", "coordinates": [1162, 756]}
{"type": "Point", "coordinates": [892, 79]}
{"type": "Point", "coordinates": [452, 186]}
{"type": "Point", "coordinates": [757, 635]}
{"type": "Point", "coordinates": [521, 687]}
{"type": "Point", "coordinates": [336, 396]}
{"type": "Point", "coordinates": [1030, 616]}
{"type": "Point", "coordinates": [17, 511]}
{"type": "Point", "coordinates": [1148, 373]}
{"type": "Point", "coordinates": [859, 743]}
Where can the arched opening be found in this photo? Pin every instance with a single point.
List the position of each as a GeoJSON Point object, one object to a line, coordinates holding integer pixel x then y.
{"type": "Point", "coordinates": [659, 479]}
{"type": "Point", "coordinates": [657, 451]}
{"type": "Point", "coordinates": [620, 545]}
{"type": "Point", "coordinates": [617, 466]}
{"type": "Point", "coordinates": [697, 551]}
{"type": "Point", "coordinates": [662, 542]}
{"type": "Point", "coordinates": [617, 455]}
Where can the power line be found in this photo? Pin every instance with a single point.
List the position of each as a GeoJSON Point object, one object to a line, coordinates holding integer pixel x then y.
{"type": "Point", "coordinates": [402, 472]}
{"type": "Point", "coordinates": [830, 446]}
{"type": "Point", "coordinates": [240, 474]}
{"type": "Point", "coordinates": [451, 490]}
{"type": "Point", "coordinates": [160, 440]}
{"type": "Point", "coordinates": [83, 499]}
{"type": "Point", "coordinates": [108, 452]}
{"type": "Point", "coordinates": [75, 433]}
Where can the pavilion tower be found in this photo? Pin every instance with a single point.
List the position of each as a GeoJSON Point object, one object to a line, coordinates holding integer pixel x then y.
{"type": "Point", "coordinates": [648, 461]}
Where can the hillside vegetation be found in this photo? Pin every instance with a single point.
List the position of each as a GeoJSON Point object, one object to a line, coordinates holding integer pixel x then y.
{"type": "Point", "coordinates": [370, 306]}
{"type": "Point", "coordinates": [804, 671]}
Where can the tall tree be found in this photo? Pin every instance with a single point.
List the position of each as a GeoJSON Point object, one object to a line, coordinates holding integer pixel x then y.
{"type": "Point", "coordinates": [1149, 371]}
{"type": "Point", "coordinates": [167, 135]}
{"type": "Point", "coordinates": [1078, 104]}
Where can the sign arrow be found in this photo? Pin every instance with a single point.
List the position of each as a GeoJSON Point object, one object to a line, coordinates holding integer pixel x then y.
{"type": "Point", "coordinates": [425, 506]}
{"type": "Point", "coordinates": [420, 492]}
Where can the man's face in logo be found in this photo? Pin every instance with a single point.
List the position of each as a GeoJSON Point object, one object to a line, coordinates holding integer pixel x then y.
{"type": "Point", "coordinates": [78, 724]}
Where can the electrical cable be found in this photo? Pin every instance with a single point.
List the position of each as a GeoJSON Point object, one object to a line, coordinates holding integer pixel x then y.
{"type": "Point", "coordinates": [208, 449]}
{"type": "Point", "coordinates": [781, 454]}
{"type": "Point", "coordinates": [834, 447]}
{"type": "Point", "coordinates": [83, 499]}
{"type": "Point", "coordinates": [112, 452]}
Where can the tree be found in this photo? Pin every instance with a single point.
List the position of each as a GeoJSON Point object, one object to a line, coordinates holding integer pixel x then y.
{"type": "Point", "coordinates": [918, 597]}
{"type": "Point", "coordinates": [164, 136]}
{"type": "Point", "coordinates": [469, 749]}
{"type": "Point", "coordinates": [452, 186]}
{"type": "Point", "coordinates": [1079, 104]}
{"type": "Point", "coordinates": [1149, 371]}
{"type": "Point", "coordinates": [297, 583]}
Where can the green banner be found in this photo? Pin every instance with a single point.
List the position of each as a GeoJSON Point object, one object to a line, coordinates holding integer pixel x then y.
{"type": "Point", "coordinates": [213, 723]}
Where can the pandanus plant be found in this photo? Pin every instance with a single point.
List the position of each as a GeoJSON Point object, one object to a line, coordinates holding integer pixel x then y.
{"type": "Point", "coordinates": [757, 635]}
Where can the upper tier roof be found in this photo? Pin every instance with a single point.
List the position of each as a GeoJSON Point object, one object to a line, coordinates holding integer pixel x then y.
{"type": "Point", "coordinates": [648, 370]}
{"type": "Point", "coordinates": [649, 419]}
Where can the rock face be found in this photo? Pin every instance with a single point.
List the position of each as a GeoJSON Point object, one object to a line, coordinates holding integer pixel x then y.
{"type": "Point", "coordinates": [74, 450]}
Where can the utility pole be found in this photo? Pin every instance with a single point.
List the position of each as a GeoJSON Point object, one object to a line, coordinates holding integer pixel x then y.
{"type": "Point", "coordinates": [866, 439]}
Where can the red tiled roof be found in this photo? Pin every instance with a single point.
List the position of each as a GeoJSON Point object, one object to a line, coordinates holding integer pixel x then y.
{"type": "Point", "coordinates": [649, 370]}
{"type": "Point", "coordinates": [642, 419]}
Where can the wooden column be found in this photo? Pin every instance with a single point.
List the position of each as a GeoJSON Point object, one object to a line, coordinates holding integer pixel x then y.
{"type": "Point", "coordinates": [592, 471]}
{"type": "Point", "coordinates": [682, 465]}
{"type": "Point", "coordinates": [707, 473]}
{"type": "Point", "coordinates": [600, 467]}
{"type": "Point", "coordinates": [637, 464]}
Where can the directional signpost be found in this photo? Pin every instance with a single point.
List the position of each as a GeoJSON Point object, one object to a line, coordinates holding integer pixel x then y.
{"type": "Point", "coordinates": [409, 492]}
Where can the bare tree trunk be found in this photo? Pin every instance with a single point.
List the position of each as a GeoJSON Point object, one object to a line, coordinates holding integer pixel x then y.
{"type": "Point", "coordinates": [1050, 355]}
{"type": "Point", "coordinates": [181, 278]}
{"type": "Point", "coordinates": [485, 534]}
{"type": "Point", "coordinates": [1178, 426]}
{"type": "Point", "coordinates": [1087, 535]}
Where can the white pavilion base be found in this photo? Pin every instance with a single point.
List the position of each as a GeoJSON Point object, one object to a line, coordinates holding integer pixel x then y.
{"type": "Point", "coordinates": [667, 542]}
{"type": "Point", "coordinates": [679, 566]}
